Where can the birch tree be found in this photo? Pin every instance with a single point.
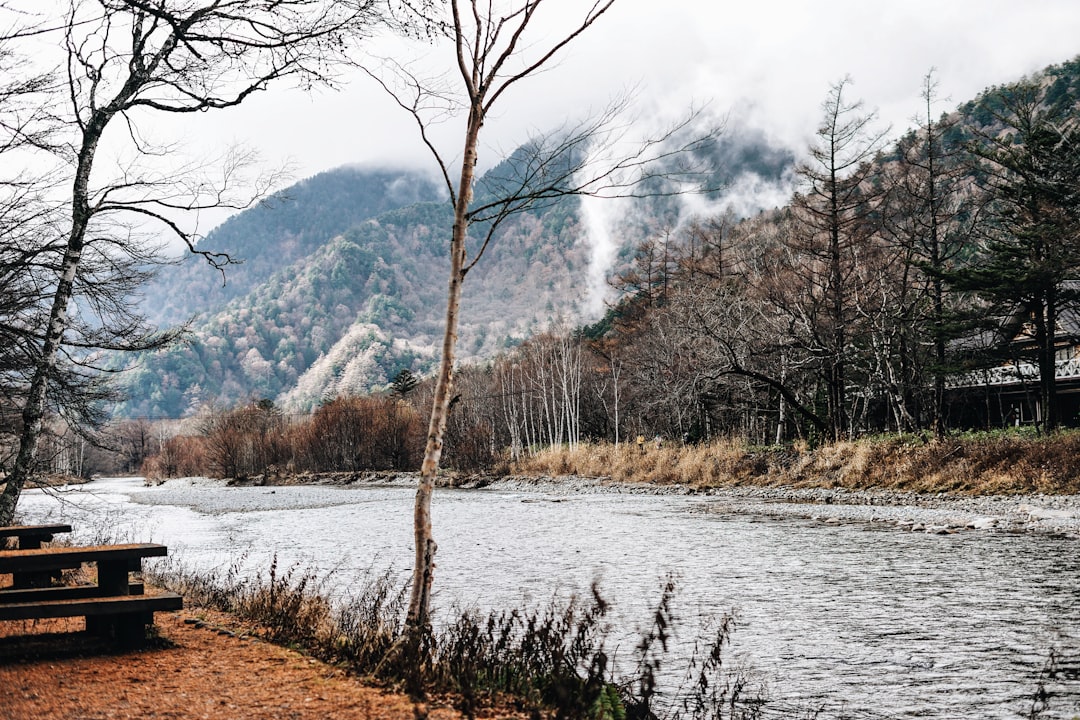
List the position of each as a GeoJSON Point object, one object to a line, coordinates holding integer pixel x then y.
{"type": "Point", "coordinates": [495, 48]}
{"type": "Point", "coordinates": [126, 60]}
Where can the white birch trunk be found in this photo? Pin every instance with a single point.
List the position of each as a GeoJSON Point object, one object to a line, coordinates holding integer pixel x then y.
{"type": "Point", "coordinates": [418, 615]}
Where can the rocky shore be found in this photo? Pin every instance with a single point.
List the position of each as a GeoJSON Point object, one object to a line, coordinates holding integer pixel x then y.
{"type": "Point", "coordinates": [911, 512]}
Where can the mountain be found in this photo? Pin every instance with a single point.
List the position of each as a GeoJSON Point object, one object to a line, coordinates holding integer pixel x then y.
{"type": "Point", "coordinates": [287, 226]}
{"type": "Point", "coordinates": [343, 284]}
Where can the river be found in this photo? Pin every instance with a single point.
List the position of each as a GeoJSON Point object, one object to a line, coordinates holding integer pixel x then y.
{"type": "Point", "coordinates": [861, 619]}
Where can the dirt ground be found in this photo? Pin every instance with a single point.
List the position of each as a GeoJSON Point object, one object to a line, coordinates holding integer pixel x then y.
{"type": "Point", "coordinates": [203, 667]}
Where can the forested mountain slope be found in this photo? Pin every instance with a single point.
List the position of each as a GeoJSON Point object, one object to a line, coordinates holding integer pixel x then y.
{"type": "Point", "coordinates": [287, 226]}
{"type": "Point", "coordinates": [926, 283]}
{"type": "Point", "coordinates": [343, 284]}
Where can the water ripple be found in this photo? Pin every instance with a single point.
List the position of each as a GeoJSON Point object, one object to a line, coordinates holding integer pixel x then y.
{"type": "Point", "coordinates": [861, 619]}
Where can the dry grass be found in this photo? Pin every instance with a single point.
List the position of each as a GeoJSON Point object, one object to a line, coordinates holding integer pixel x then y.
{"type": "Point", "coordinates": [722, 462]}
{"type": "Point", "coordinates": [980, 464]}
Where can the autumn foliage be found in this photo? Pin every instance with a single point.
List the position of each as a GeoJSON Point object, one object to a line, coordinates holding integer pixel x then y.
{"type": "Point", "coordinates": [347, 434]}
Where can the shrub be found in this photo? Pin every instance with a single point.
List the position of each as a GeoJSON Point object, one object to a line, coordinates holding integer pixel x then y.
{"type": "Point", "coordinates": [181, 456]}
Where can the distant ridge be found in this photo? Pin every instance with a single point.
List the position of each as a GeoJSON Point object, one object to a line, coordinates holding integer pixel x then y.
{"type": "Point", "coordinates": [344, 278]}
{"type": "Point", "coordinates": [287, 226]}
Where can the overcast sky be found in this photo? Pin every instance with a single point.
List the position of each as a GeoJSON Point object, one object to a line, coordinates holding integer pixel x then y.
{"type": "Point", "coordinates": [769, 62]}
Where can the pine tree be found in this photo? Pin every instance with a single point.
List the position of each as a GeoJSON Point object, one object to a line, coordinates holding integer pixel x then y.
{"type": "Point", "coordinates": [404, 382]}
{"type": "Point", "coordinates": [1028, 268]}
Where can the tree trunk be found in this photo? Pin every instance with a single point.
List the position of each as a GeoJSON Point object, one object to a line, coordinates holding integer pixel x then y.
{"type": "Point", "coordinates": [33, 411]}
{"type": "Point", "coordinates": [1048, 364]}
{"type": "Point", "coordinates": [418, 616]}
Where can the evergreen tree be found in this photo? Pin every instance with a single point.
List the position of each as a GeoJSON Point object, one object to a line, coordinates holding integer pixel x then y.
{"type": "Point", "coordinates": [1028, 267]}
{"type": "Point", "coordinates": [404, 382]}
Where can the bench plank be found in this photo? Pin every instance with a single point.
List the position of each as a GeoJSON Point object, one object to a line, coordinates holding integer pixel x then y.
{"type": "Point", "coordinates": [72, 607]}
{"type": "Point", "coordinates": [20, 531]}
{"type": "Point", "coordinates": [31, 536]}
{"type": "Point", "coordinates": [59, 593]}
{"type": "Point", "coordinates": [60, 558]}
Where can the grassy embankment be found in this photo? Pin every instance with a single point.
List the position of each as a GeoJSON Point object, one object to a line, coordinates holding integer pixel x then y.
{"type": "Point", "coordinates": [1014, 462]}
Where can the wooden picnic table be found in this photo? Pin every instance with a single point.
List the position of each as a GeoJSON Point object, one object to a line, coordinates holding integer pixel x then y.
{"type": "Point", "coordinates": [115, 607]}
{"type": "Point", "coordinates": [31, 536]}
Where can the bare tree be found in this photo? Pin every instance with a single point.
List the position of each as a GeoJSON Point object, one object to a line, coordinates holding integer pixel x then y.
{"type": "Point", "coordinates": [931, 213]}
{"type": "Point", "coordinates": [26, 253]}
{"type": "Point", "coordinates": [128, 58]}
{"type": "Point", "coordinates": [494, 50]}
{"type": "Point", "coordinates": [733, 317]}
{"type": "Point", "coordinates": [836, 202]}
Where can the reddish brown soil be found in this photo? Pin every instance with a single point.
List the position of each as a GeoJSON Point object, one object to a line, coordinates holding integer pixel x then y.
{"type": "Point", "coordinates": [211, 670]}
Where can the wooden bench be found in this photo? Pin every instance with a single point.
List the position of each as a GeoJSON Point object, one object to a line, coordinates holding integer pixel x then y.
{"type": "Point", "coordinates": [31, 536]}
{"type": "Point", "coordinates": [114, 608]}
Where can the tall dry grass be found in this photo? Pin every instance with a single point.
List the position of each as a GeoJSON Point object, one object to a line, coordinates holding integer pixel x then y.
{"type": "Point", "coordinates": [722, 462]}
{"type": "Point", "coordinates": [980, 463]}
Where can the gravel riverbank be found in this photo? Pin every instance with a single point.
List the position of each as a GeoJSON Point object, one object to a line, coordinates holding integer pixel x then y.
{"type": "Point", "coordinates": [907, 511]}
{"type": "Point", "coordinates": [911, 512]}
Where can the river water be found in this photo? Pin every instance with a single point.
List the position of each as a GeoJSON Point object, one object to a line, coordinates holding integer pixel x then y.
{"type": "Point", "coordinates": [863, 620]}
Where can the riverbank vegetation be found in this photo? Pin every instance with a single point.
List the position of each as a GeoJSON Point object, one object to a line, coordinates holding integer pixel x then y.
{"type": "Point", "coordinates": [259, 444]}
{"type": "Point", "coordinates": [972, 463]}
{"type": "Point", "coordinates": [557, 660]}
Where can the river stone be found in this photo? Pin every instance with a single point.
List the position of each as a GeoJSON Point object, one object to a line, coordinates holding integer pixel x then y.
{"type": "Point", "coordinates": [1041, 513]}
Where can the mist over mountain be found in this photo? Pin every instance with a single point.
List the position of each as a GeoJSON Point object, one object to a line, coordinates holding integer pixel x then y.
{"type": "Point", "coordinates": [342, 282]}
